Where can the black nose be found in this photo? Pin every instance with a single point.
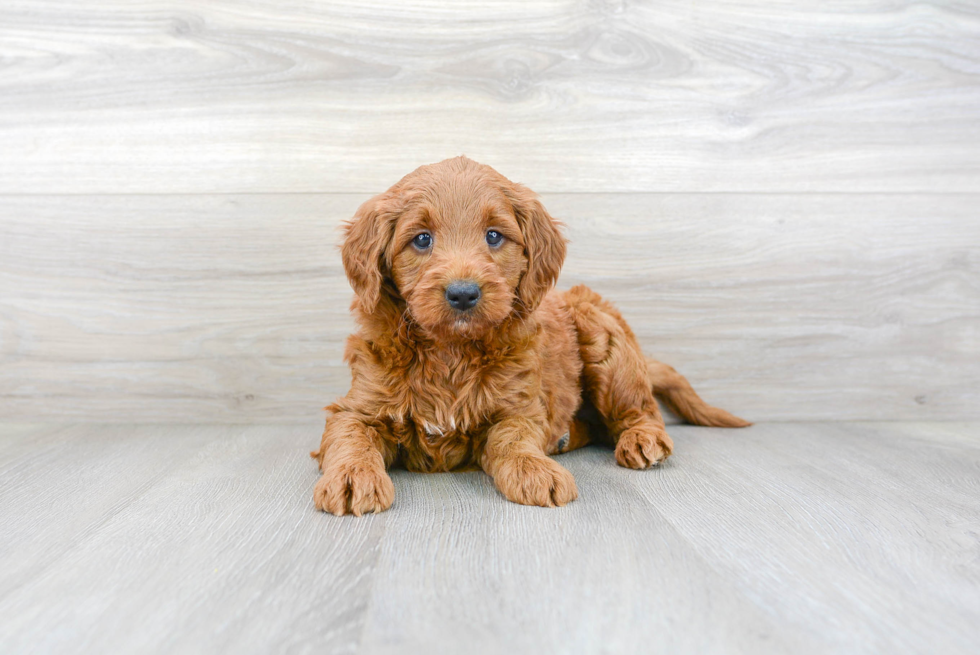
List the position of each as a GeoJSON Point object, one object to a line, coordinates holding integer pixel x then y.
{"type": "Point", "coordinates": [463, 295]}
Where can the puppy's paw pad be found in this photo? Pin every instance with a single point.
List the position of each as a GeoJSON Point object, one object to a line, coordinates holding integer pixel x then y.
{"type": "Point", "coordinates": [536, 480]}
{"type": "Point", "coordinates": [643, 447]}
{"type": "Point", "coordinates": [353, 489]}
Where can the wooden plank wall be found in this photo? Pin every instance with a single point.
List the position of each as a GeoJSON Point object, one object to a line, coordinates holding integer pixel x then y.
{"type": "Point", "coordinates": [782, 197]}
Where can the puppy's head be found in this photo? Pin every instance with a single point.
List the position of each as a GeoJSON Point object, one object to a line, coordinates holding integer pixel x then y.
{"type": "Point", "coordinates": [463, 246]}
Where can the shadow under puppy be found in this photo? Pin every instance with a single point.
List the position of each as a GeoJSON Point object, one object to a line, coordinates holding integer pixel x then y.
{"type": "Point", "coordinates": [466, 357]}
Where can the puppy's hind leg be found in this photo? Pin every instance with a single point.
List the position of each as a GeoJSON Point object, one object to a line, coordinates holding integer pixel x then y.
{"type": "Point", "coordinates": [617, 381]}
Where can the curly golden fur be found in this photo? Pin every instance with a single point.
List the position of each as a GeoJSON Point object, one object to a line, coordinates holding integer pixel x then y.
{"type": "Point", "coordinates": [524, 373]}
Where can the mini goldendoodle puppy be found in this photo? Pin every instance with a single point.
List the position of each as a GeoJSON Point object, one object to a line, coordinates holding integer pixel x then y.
{"type": "Point", "coordinates": [467, 358]}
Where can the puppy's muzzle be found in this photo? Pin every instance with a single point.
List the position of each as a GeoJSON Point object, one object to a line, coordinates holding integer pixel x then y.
{"type": "Point", "coordinates": [463, 295]}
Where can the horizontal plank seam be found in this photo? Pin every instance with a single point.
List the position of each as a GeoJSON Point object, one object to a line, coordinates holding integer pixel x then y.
{"type": "Point", "coordinates": [539, 191]}
{"type": "Point", "coordinates": [285, 421]}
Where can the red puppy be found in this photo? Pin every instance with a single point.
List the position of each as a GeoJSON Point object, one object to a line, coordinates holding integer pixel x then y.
{"type": "Point", "coordinates": [467, 358]}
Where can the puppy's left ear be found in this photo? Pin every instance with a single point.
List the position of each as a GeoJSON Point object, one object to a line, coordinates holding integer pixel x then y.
{"type": "Point", "coordinates": [544, 245]}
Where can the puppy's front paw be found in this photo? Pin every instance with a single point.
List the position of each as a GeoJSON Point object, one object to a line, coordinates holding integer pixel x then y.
{"type": "Point", "coordinates": [643, 446]}
{"type": "Point", "coordinates": [353, 489]}
{"type": "Point", "coordinates": [535, 480]}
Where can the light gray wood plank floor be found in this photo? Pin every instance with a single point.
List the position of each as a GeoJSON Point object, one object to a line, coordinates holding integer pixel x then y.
{"type": "Point", "coordinates": [785, 537]}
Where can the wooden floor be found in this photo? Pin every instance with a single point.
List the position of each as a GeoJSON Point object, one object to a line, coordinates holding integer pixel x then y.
{"type": "Point", "coordinates": [785, 537]}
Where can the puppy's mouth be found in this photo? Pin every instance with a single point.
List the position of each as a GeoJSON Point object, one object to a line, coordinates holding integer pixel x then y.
{"type": "Point", "coordinates": [467, 325]}
{"type": "Point", "coordinates": [462, 325]}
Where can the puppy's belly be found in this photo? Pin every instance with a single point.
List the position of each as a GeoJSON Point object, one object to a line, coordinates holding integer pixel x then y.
{"type": "Point", "coordinates": [431, 449]}
{"type": "Point", "coordinates": [434, 450]}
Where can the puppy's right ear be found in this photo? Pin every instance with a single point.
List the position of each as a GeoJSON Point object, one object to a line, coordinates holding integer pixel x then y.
{"type": "Point", "coordinates": [366, 240]}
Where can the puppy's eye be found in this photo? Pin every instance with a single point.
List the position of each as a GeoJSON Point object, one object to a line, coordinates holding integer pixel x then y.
{"type": "Point", "coordinates": [422, 241]}
{"type": "Point", "coordinates": [494, 238]}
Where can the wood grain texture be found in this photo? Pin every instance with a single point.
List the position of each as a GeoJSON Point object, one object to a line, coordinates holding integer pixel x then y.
{"type": "Point", "coordinates": [804, 538]}
{"type": "Point", "coordinates": [605, 574]}
{"type": "Point", "coordinates": [848, 502]}
{"type": "Point", "coordinates": [61, 485]}
{"type": "Point", "coordinates": [234, 96]}
{"type": "Point", "coordinates": [235, 308]}
{"type": "Point", "coordinates": [223, 551]}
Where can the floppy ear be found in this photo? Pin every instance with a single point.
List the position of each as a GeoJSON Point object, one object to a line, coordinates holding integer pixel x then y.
{"type": "Point", "coordinates": [544, 245]}
{"type": "Point", "coordinates": [366, 240]}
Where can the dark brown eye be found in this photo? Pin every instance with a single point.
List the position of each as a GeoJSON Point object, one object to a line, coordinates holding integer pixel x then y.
{"type": "Point", "coordinates": [494, 238]}
{"type": "Point", "coordinates": [422, 241]}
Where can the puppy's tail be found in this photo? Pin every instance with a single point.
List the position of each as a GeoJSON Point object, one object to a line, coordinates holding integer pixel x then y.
{"type": "Point", "coordinates": [676, 392]}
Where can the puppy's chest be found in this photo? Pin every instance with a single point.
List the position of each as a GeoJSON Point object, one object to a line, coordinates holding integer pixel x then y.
{"type": "Point", "coordinates": [450, 402]}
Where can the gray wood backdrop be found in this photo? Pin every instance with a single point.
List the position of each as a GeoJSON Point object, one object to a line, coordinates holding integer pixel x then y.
{"type": "Point", "coordinates": [782, 197]}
